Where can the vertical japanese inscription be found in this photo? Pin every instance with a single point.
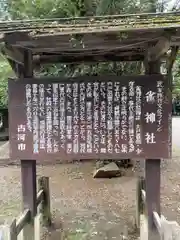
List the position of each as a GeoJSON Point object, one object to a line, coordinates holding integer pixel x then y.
{"type": "Point", "coordinates": [96, 117]}
{"type": "Point", "coordinates": [102, 133]}
{"type": "Point", "coordinates": [110, 117]}
{"type": "Point", "coordinates": [75, 119]}
{"type": "Point", "coordinates": [160, 99]}
{"type": "Point", "coordinates": [35, 119]}
{"type": "Point", "coordinates": [89, 120]}
{"type": "Point", "coordinates": [150, 116]}
{"type": "Point", "coordinates": [62, 127]}
{"type": "Point", "coordinates": [21, 137]}
{"type": "Point", "coordinates": [48, 101]}
{"type": "Point", "coordinates": [124, 119]}
{"type": "Point", "coordinates": [131, 117]}
{"type": "Point", "coordinates": [55, 110]}
{"type": "Point", "coordinates": [29, 106]}
{"type": "Point", "coordinates": [82, 118]}
{"type": "Point", "coordinates": [138, 113]}
{"type": "Point", "coordinates": [69, 118]}
{"type": "Point", "coordinates": [117, 116]}
{"type": "Point", "coordinates": [42, 120]}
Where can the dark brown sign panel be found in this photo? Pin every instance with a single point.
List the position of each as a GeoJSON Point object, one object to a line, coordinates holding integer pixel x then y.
{"type": "Point", "coordinates": [89, 118]}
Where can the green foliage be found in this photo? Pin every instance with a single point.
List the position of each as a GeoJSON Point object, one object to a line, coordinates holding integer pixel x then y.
{"type": "Point", "coordinates": [117, 7]}
{"type": "Point", "coordinates": [25, 9]}
{"type": "Point", "coordinates": [5, 73]}
{"type": "Point", "coordinates": [176, 77]}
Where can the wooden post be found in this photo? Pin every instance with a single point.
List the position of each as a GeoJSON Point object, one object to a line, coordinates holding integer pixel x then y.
{"type": "Point", "coordinates": [139, 201]}
{"type": "Point", "coordinates": [28, 64]}
{"type": "Point", "coordinates": [28, 172]}
{"type": "Point", "coordinates": [38, 228]}
{"type": "Point", "coordinates": [13, 231]}
{"type": "Point", "coordinates": [28, 167]}
{"type": "Point", "coordinates": [26, 70]}
{"type": "Point", "coordinates": [43, 184]}
{"type": "Point", "coordinates": [152, 174]}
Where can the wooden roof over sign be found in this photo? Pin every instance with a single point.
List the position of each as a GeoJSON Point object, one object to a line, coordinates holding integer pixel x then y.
{"type": "Point", "coordinates": [116, 38]}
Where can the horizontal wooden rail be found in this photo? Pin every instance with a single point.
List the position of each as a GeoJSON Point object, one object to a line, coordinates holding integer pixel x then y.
{"type": "Point", "coordinates": [22, 220]}
{"type": "Point", "coordinates": [157, 222]}
{"type": "Point", "coordinates": [40, 196]}
{"type": "Point", "coordinates": [25, 218]}
{"type": "Point", "coordinates": [167, 229]}
{"type": "Point", "coordinates": [143, 195]}
{"type": "Point", "coordinates": [156, 218]}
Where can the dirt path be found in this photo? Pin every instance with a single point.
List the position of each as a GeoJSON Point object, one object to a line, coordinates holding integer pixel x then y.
{"type": "Point", "coordinates": [99, 208]}
{"type": "Point", "coordinates": [86, 208]}
{"type": "Point", "coordinates": [89, 208]}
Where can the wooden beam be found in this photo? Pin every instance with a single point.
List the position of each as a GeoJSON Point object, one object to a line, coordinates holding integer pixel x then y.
{"type": "Point", "coordinates": [28, 167]}
{"type": "Point", "coordinates": [152, 185]}
{"type": "Point", "coordinates": [157, 51]}
{"type": "Point", "coordinates": [77, 42]}
{"type": "Point", "coordinates": [28, 64]}
{"type": "Point", "coordinates": [29, 192]}
{"type": "Point", "coordinates": [15, 54]}
{"type": "Point", "coordinates": [59, 39]}
{"type": "Point", "coordinates": [53, 43]}
{"type": "Point", "coordinates": [26, 70]}
{"type": "Point", "coordinates": [13, 37]}
{"type": "Point", "coordinates": [46, 59]}
{"type": "Point", "coordinates": [13, 65]}
{"type": "Point", "coordinates": [101, 47]}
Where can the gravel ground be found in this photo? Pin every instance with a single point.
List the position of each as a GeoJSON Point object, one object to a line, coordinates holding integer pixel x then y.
{"type": "Point", "coordinates": [87, 208]}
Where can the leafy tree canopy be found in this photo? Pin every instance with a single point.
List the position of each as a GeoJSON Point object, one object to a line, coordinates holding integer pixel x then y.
{"type": "Point", "coordinates": [5, 73]}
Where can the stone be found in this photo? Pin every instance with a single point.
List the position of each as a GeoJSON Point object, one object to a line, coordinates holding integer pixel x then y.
{"type": "Point", "coordinates": [99, 164]}
{"type": "Point", "coordinates": [121, 163]}
{"type": "Point", "coordinates": [108, 171]}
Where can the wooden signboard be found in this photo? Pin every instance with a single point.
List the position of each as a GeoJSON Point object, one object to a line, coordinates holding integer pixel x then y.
{"type": "Point", "coordinates": [105, 117]}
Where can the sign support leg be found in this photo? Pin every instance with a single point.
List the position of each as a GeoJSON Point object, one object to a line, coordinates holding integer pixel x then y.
{"type": "Point", "coordinates": [28, 167]}
{"type": "Point", "coordinates": [152, 172]}
{"type": "Point", "coordinates": [152, 183]}
{"type": "Point", "coordinates": [28, 175]}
